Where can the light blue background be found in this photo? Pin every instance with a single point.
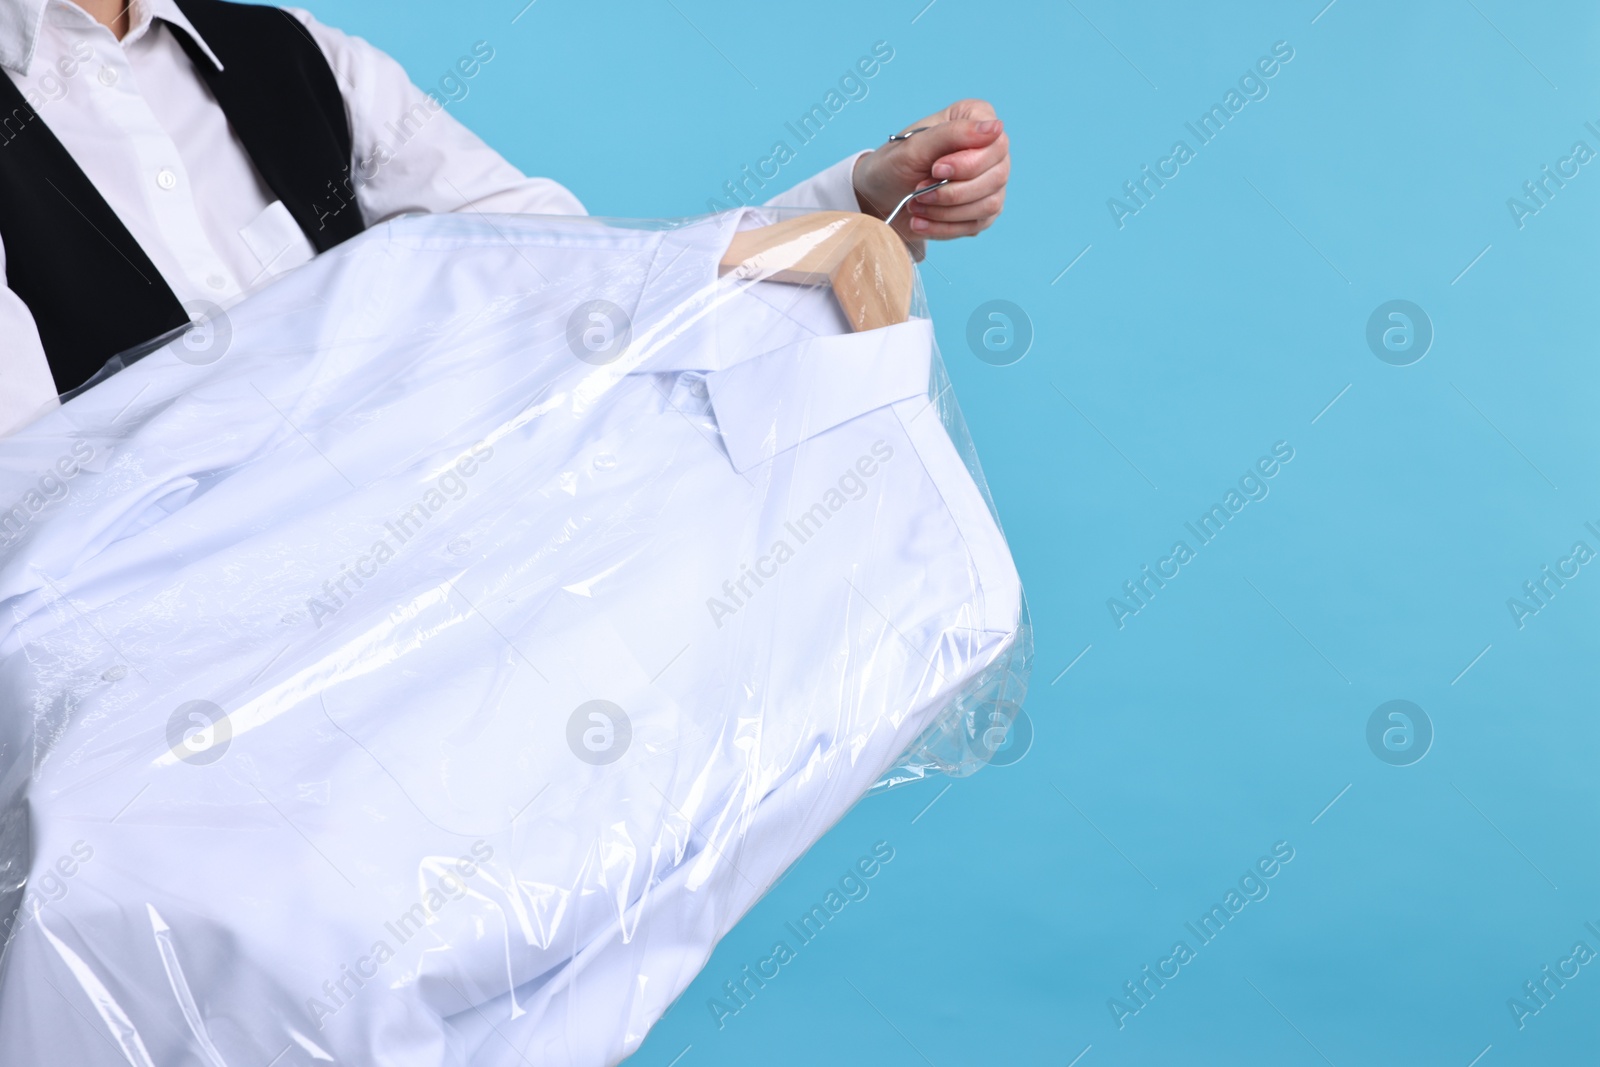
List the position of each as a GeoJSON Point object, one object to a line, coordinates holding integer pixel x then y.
{"type": "Point", "coordinates": [1224, 317]}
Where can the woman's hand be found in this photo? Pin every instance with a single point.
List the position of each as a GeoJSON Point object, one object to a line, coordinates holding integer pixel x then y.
{"type": "Point", "coordinates": [964, 143]}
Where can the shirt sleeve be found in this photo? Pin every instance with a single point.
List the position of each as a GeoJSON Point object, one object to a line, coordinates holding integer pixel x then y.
{"type": "Point", "coordinates": [27, 388]}
{"type": "Point", "coordinates": [411, 154]}
{"type": "Point", "coordinates": [832, 190]}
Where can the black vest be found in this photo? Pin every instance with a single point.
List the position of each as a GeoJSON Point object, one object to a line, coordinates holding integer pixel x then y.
{"type": "Point", "coordinates": [92, 290]}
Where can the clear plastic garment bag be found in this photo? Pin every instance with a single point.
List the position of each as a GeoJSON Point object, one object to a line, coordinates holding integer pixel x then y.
{"type": "Point", "coordinates": [428, 659]}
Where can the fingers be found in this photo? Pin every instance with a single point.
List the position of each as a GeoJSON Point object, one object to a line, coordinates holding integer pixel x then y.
{"type": "Point", "coordinates": [967, 163]}
{"type": "Point", "coordinates": [956, 193]}
{"type": "Point", "coordinates": [965, 146]}
{"type": "Point", "coordinates": [960, 145]}
{"type": "Point", "coordinates": [977, 210]}
{"type": "Point", "coordinates": [943, 231]}
{"type": "Point", "coordinates": [965, 207]}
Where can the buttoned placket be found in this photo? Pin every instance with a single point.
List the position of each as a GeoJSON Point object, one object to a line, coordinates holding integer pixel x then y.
{"type": "Point", "coordinates": [160, 172]}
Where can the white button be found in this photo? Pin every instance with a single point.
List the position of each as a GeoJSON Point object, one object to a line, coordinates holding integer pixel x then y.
{"type": "Point", "coordinates": [217, 281]}
{"type": "Point", "coordinates": [166, 179]}
{"type": "Point", "coordinates": [108, 76]}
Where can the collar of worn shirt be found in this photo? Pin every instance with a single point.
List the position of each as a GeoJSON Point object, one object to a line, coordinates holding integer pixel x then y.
{"type": "Point", "coordinates": [21, 20]}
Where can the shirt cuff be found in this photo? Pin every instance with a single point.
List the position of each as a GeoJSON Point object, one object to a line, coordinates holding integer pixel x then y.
{"type": "Point", "coordinates": [831, 190]}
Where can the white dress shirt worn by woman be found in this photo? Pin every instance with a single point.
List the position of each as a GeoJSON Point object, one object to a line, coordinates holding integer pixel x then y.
{"type": "Point", "coordinates": [145, 130]}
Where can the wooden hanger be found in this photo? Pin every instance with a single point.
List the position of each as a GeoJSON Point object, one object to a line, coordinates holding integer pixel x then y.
{"type": "Point", "coordinates": [862, 258]}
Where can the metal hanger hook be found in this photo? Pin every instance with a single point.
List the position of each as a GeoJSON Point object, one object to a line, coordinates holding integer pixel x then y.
{"type": "Point", "coordinates": [907, 135]}
{"type": "Point", "coordinates": [912, 196]}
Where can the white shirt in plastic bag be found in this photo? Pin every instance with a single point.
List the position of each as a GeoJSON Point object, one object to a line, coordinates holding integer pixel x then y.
{"type": "Point", "coordinates": [433, 663]}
